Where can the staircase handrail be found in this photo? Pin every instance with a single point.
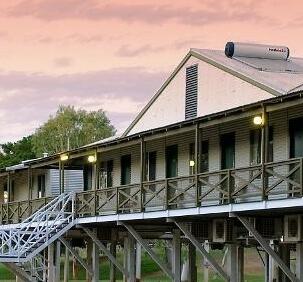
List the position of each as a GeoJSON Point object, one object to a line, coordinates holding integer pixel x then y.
{"type": "Point", "coordinates": [18, 241]}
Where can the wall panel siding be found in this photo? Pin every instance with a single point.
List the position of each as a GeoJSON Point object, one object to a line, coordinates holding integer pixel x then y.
{"type": "Point", "coordinates": [73, 181]}
{"type": "Point", "coordinates": [217, 91]}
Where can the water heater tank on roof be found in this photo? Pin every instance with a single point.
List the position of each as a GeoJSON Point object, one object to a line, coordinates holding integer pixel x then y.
{"type": "Point", "coordinates": [248, 50]}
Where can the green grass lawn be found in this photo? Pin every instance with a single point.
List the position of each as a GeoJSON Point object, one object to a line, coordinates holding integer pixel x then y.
{"type": "Point", "coordinates": [152, 273]}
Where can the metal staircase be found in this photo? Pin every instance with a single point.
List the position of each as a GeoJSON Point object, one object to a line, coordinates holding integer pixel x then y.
{"type": "Point", "coordinates": [34, 270]}
{"type": "Point", "coordinates": [24, 243]}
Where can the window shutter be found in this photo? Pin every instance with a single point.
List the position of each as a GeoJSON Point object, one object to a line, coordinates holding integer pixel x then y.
{"type": "Point", "coordinates": [191, 92]}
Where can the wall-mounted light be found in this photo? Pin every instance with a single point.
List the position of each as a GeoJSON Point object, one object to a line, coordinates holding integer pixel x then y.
{"type": "Point", "coordinates": [258, 120]}
{"type": "Point", "coordinates": [191, 163]}
{"type": "Point", "coordinates": [91, 159]}
{"type": "Point", "coordinates": [64, 157]}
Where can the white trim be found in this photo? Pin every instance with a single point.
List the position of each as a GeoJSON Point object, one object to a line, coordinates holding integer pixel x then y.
{"type": "Point", "coordinates": [210, 210]}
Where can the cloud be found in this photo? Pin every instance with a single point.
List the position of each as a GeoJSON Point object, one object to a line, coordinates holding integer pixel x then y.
{"type": "Point", "coordinates": [63, 62]}
{"type": "Point", "coordinates": [27, 99]}
{"type": "Point", "coordinates": [128, 51]}
{"type": "Point", "coordinates": [133, 51]}
{"type": "Point", "coordinates": [93, 10]}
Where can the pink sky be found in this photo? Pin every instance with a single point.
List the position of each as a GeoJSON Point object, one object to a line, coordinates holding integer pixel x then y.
{"type": "Point", "coordinates": [114, 54]}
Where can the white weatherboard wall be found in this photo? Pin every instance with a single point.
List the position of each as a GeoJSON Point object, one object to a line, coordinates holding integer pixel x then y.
{"type": "Point", "coordinates": [241, 128]}
{"type": "Point", "coordinates": [217, 91]}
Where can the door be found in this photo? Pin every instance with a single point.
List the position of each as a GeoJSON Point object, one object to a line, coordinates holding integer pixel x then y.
{"type": "Point", "coordinates": [171, 171]}
{"type": "Point", "coordinates": [228, 150]}
{"type": "Point", "coordinates": [41, 185]}
{"type": "Point", "coordinates": [171, 161]}
{"type": "Point", "coordinates": [150, 170]}
{"type": "Point", "coordinates": [88, 177]}
{"type": "Point", "coordinates": [150, 166]}
{"type": "Point", "coordinates": [227, 144]}
{"type": "Point", "coordinates": [296, 137]}
{"type": "Point", "coordinates": [125, 169]}
{"type": "Point", "coordinates": [296, 149]}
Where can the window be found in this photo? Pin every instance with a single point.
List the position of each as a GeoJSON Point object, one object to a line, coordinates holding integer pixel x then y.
{"type": "Point", "coordinates": [106, 174]}
{"type": "Point", "coordinates": [41, 185]}
{"type": "Point", "coordinates": [150, 166]}
{"type": "Point", "coordinates": [125, 169]}
{"type": "Point", "coordinates": [255, 146]}
{"type": "Point", "coordinates": [191, 92]}
{"type": "Point", "coordinates": [204, 156]}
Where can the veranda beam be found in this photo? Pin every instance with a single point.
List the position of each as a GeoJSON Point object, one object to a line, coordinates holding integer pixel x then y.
{"type": "Point", "coordinates": [76, 255]}
{"type": "Point", "coordinates": [152, 254]}
{"type": "Point", "coordinates": [202, 251]}
{"type": "Point", "coordinates": [267, 248]}
{"type": "Point", "coordinates": [103, 248]}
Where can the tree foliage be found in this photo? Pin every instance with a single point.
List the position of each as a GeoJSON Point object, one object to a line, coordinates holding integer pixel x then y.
{"type": "Point", "coordinates": [13, 153]}
{"type": "Point", "coordinates": [70, 129]}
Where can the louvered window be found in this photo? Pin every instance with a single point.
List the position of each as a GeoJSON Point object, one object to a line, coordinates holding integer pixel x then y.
{"type": "Point", "coordinates": [191, 92]}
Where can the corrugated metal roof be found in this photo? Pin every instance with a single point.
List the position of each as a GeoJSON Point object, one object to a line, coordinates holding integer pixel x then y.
{"type": "Point", "coordinates": [280, 75]}
{"type": "Point", "coordinates": [108, 139]}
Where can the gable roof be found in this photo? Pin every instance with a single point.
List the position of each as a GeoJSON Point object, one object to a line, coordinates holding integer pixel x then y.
{"type": "Point", "coordinates": [277, 77]}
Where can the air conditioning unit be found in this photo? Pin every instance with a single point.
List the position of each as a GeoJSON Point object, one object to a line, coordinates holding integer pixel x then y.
{"type": "Point", "coordinates": [223, 230]}
{"type": "Point", "coordinates": [269, 227]}
{"type": "Point", "coordinates": [202, 230]}
{"type": "Point", "coordinates": [293, 228]}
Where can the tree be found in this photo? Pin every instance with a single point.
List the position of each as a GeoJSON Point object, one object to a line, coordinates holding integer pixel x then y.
{"type": "Point", "coordinates": [13, 153]}
{"type": "Point", "coordinates": [70, 129]}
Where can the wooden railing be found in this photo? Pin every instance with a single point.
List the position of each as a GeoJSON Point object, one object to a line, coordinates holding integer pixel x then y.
{"type": "Point", "coordinates": [269, 181]}
{"type": "Point", "coordinates": [15, 212]}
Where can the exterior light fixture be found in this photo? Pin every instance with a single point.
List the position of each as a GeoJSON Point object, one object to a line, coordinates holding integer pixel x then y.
{"type": "Point", "coordinates": [258, 120]}
{"type": "Point", "coordinates": [191, 163]}
{"type": "Point", "coordinates": [91, 159]}
{"type": "Point", "coordinates": [64, 157]}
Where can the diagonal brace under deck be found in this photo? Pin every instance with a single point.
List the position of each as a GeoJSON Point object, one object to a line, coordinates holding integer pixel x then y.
{"type": "Point", "coordinates": [267, 248]}
{"type": "Point", "coordinates": [202, 251]}
{"type": "Point", "coordinates": [145, 246]}
{"type": "Point", "coordinates": [105, 250]}
{"type": "Point", "coordinates": [76, 255]}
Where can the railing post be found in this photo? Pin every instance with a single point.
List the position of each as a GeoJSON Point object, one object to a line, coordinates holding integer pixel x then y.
{"type": "Point", "coordinates": [95, 202]}
{"type": "Point", "coordinates": [142, 172]}
{"type": "Point", "coordinates": [229, 186]}
{"type": "Point", "coordinates": [197, 190]}
{"type": "Point", "coordinates": [166, 194]}
{"type": "Point", "coordinates": [73, 206]}
{"type": "Point", "coordinates": [7, 213]}
{"type": "Point", "coordinates": [264, 150]}
{"type": "Point", "coordinates": [264, 182]}
{"type": "Point", "coordinates": [30, 212]}
{"type": "Point", "coordinates": [18, 213]}
{"type": "Point", "coordinates": [1, 216]}
{"type": "Point", "coordinates": [117, 200]}
{"type": "Point", "coordinates": [197, 161]}
{"type": "Point", "coordinates": [301, 176]}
